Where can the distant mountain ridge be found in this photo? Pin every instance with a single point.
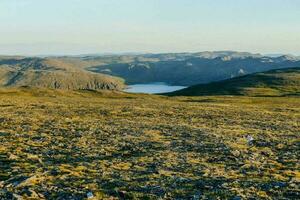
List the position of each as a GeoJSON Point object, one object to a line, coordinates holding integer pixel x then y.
{"type": "Point", "coordinates": [187, 68]}
{"type": "Point", "coordinates": [279, 82]}
{"type": "Point", "coordinates": [102, 71]}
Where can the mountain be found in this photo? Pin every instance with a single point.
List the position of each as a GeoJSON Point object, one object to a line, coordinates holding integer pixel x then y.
{"type": "Point", "coordinates": [186, 68]}
{"type": "Point", "coordinates": [100, 71]}
{"type": "Point", "coordinates": [52, 73]}
{"type": "Point", "coordinates": [280, 82]}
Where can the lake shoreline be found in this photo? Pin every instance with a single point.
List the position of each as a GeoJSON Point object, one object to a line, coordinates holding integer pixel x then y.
{"type": "Point", "coordinates": [152, 88]}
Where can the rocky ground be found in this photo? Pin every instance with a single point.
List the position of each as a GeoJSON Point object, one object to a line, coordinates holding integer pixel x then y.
{"type": "Point", "coordinates": [86, 145]}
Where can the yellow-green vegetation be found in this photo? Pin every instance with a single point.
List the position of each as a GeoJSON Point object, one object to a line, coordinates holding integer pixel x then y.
{"type": "Point", "coordinates": [109, 145]}
{"type": "Point", "coordinates": [53, 73]}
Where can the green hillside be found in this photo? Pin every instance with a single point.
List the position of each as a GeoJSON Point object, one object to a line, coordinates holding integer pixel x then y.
{"type": "Point", "coordinates": [281, 82]}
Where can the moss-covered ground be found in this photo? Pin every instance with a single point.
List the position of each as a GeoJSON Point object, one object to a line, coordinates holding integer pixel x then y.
{"type": "Point", "coordinates": [80, 145]}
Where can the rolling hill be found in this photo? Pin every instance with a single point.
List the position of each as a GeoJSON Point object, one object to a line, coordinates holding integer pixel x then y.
{"type": "Point", "coordinates": [280, 82]}
{"type": "Point", "coordinates": [101, 71]}
{"type": "Point", "coordinates": [52, 73]}
{"type": "Point", "coordinates": [186, 69]}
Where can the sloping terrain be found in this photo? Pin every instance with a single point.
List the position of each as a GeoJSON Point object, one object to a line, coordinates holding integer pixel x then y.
{"type": "Point", "coordinates": [187, 68]}
{"type": "Point", "coordinates": [59, 144]}
{"type": "Point", "coordinates": [184, 69]}
{"type": "Point", "coordinates": [52, 73]}
{"type": "Point", "coordinates": [281, 82]}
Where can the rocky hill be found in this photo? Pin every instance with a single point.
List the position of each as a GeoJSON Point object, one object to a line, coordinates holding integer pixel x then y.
{"type": "Point", "coordinates": [52, 73]}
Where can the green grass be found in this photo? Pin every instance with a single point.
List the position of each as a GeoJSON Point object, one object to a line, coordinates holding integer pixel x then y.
{"type": "Point", "coordinates": [282, 82]}
{"type": "Point", "coordinates": [62, 145]}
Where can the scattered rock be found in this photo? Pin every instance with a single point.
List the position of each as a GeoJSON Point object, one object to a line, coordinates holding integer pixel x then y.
{"type": "Point", "coordinates": [90, 195]}
{"type": "Point", "coordinates": [250, 139]}
{"type": "Point", "coordinates": [236, 153]}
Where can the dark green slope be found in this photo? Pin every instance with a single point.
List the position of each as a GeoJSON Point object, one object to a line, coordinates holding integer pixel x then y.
{"type": "Point", "coordinates": [280, 82]}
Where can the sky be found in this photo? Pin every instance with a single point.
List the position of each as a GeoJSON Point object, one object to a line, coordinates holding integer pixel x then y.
{"type": "Point", "coordinates": [42, 27]}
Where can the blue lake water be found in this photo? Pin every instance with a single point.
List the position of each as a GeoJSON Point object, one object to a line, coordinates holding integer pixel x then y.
{"type": "Point", "coordinates": [152, 88]}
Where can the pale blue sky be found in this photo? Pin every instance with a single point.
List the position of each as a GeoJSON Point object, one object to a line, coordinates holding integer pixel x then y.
{"type": "Point", "coordinates": [98, 26]}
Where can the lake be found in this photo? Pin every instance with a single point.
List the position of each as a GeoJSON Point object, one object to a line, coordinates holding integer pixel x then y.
{"type": "Point", "coordinates": [152, 88]}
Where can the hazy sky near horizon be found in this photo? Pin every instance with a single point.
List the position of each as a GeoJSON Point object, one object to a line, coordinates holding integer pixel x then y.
{"type": "Point", "coordinates": [30, 27]}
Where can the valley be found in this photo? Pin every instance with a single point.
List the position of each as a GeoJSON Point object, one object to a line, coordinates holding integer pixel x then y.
{"type": "Point", "coordinates": [149, 100]}
{"type": "Point", "coordinates": [70, 131]}
{"type": "Point", "coordinates": [113, 72]}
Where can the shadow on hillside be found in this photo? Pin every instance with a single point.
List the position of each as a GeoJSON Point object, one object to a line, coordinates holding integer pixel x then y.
{"type": "Point", "coordinates": [201, 100]}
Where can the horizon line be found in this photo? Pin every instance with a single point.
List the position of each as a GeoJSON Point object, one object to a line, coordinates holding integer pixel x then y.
{"type": "Point", "coordinates": [271, 54]}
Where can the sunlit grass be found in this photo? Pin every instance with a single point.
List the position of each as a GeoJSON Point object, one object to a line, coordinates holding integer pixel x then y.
{"type": "Point", "coordinates": [58, 144]}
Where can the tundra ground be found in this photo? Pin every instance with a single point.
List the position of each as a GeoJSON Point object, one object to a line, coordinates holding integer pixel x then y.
{"type": "Point", "coordinates": [79, 145]}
